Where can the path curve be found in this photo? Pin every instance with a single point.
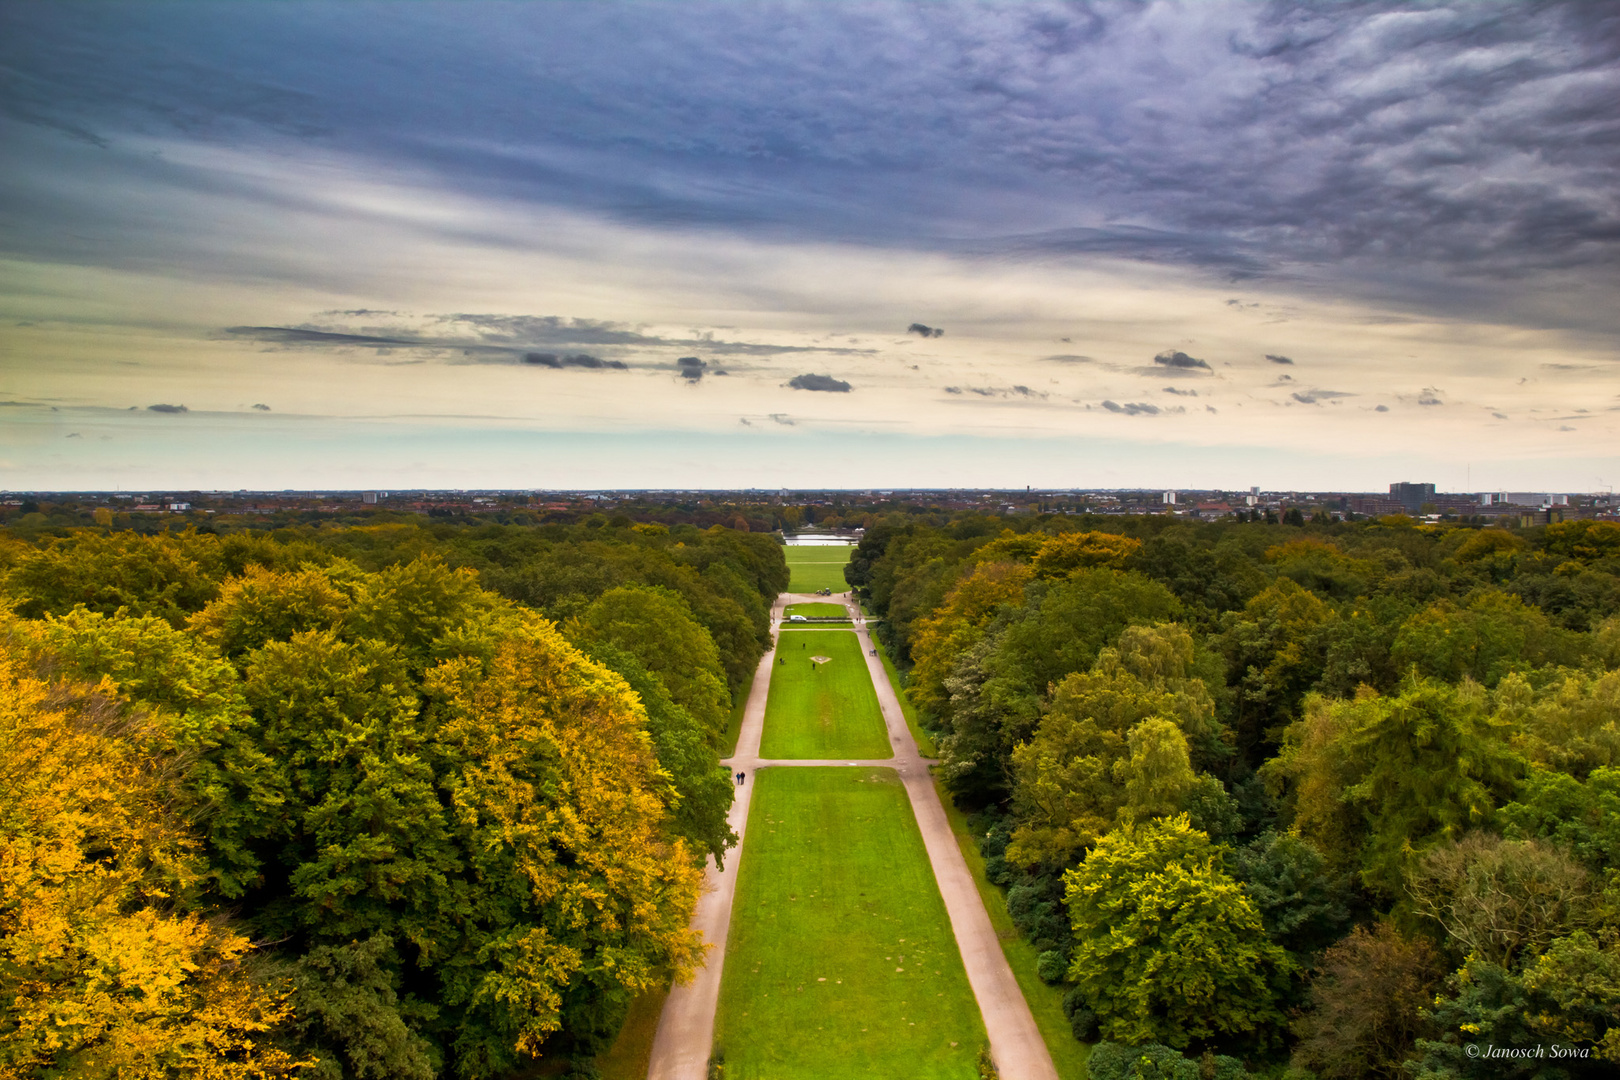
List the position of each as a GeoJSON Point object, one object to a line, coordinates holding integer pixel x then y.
{"type": "Point", "coordinates": [685, 1034]}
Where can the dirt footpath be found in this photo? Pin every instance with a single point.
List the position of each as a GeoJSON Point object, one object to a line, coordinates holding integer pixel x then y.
{"type": "Point", "coordinates": [686, 1028]}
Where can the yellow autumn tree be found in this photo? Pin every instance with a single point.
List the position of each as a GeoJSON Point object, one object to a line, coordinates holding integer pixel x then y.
{"type": "Point", "coordinates": [1061, 555]}
{"type": "Point", "coordinates": [101, 974]}
{"type": "Point", "coordinates": [559, 793]}
{"type": "Point", "coordinates": [958, 624]}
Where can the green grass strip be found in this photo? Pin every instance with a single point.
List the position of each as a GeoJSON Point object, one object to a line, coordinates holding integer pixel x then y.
{"type": "Point", "coordinates": [822, 710]}
{"type": "Point", "coordinates": [818, 611]}
{"type": "Point", "coordinates": [817, 566]}
{"type": "Point", "coordinates": [631, 1052]}
{"type": "Point", "coordinates": [1045, 1002]}
{"type": "Point", "coordinates": [841, 961]}
{"type": "Point", "coordinates": [925, 742]}
{"type": "Point", "coordinates": [739, 704]}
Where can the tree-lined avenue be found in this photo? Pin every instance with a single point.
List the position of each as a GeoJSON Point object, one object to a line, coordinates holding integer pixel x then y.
{"type": "Point", "coordinates": [685, 1035]}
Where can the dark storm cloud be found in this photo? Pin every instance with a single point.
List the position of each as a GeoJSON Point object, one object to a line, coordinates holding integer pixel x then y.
{"type": "Point", "coordinates": [691, 368]}
{"type": "Point", "coordinates": [1132, 408]}
{"type": "Point", "coordinates": [819, 382]}
{"type": "Point", "coordinates": [1311, 397]}
{"type": "Point", "coordinates": [998, 392]}
{"type": "Point", "coordinates": [1069, 358]}
{"type": "Point", "coordinates": [924, 331]}
{"type": "Point", "coordinates": [167, 408]}
{"type": "Point", "coordinates": [577, 360]}
{"type": "Point", "coordinates": [504, 338]}
{"type": "Point", "coordinates": [1459, 144]}
{"type": "Point", "coordinates": [1175, 358]}
{"type": "Point", "coordinates": [290, 335]}
{"type": "Point", "coordinates": [1275, 359]}
{"type": "Point", "coordinates": [261, 407]}
{"type": "Point", "coordinates": [1182, 393]}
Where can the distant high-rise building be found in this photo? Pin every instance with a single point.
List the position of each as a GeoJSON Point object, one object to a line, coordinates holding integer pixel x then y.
{"type": "Point", "coordinates": [369, 498]}
{"type": "Point", "coordinates": [1169, 498]}
{"type": "Point", "coordinates": [1411, 496]}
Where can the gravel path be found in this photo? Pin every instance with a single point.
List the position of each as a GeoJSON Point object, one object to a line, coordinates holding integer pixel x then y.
{"type": "Point", "coordinates": [686, 1028]}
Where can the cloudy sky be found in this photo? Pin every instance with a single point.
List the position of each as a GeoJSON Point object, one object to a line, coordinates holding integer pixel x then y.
{"type": "Point", "coordinates": [848, 244]}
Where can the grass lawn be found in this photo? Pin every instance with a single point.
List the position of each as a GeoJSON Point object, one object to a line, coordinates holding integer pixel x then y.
{"type": "Point", "coordinates": [817, 566]}
{"type": "Point", "coordinates": [1045, 1002]}
{"type": "Point", "coordinates": [728, 742]}
{"type": "Point", "coordinates": [818, 611]}
{"type": "Point", "coordinates": [825, 710]}
{"type": "Point", "coordinates": [840, 961]}
{"type": "Point", "coordinates": [631, 1052]}
{"type": "Point", "coordinates": [925, 744]}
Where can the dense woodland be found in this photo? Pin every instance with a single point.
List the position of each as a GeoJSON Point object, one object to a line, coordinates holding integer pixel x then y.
{"type": "Point", "coordinates": [1331, 799]}
{"type": "Point", "coordinates": [428, 799]}
{"type": "Point", "coordinates": [393, 802]}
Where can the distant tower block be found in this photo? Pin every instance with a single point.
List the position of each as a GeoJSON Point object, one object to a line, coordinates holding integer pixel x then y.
{"type": "Point", "coordinates": [369, 498]}
{"type": "Point", "coordinates": [1169, 498]}
{"type": "Point", "coordinates": [1411, 496]}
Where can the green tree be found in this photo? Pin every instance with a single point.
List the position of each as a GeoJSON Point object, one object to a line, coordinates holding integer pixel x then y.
{"type": "Point", "coordinates": [1370, 780]}
{"type": "Point", "coordinates": [346, 1014]}
{"type": "Point", "coordinates": [702, 790]}
{"type": "Point", "coordinates": [1168, 947]}
{"type": "Point", "coordinates": [657, 628]}
{"type": "Point", "coordinates": [1572, 725]}
{"type": "Point", "coordinates": [1577, 984]}
{"type": "Point", "coordinates": [169, 576]}
{"type": "Point", "coordinates": [1495, 633]}
{"type": "Point", "coordinates": [1276, 650]}
{"type": "Point", "coordinates": [998, 688]}
{"type": "Point", "coordinates": [1076, 778]}
{"type": "Point", "coordinates": [261, 605]}
{"type": "Point", "coordinates": [1304, 905]}
{"type": "Point", "coordinates": [1488, 1005]}
{"type": "Point", "coordinates": [1582, 818]}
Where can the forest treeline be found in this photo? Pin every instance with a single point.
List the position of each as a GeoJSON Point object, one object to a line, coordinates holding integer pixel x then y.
{"type": "Point", "coordinates": [397, 801]}
{"type": "Point", "coordinates": [1333, 800]}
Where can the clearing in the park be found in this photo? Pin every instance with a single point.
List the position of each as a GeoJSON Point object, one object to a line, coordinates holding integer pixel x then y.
{"type": "Point", "coordinates": [841, 961]}
{"type": "Point", "coordinates": [817, 566]}
{"type": "Point", "coordinates": [823, 707]}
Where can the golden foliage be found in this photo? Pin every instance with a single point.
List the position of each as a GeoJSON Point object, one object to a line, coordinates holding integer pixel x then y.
{"type": "Point", "coordinates": [957, 625]}
{"type": "Point", "coordinates": [613, 896]}
{"type": "Point", "coordinates": [100, 975]}
{"type": "Point", "coordinates": [1064, 554]}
